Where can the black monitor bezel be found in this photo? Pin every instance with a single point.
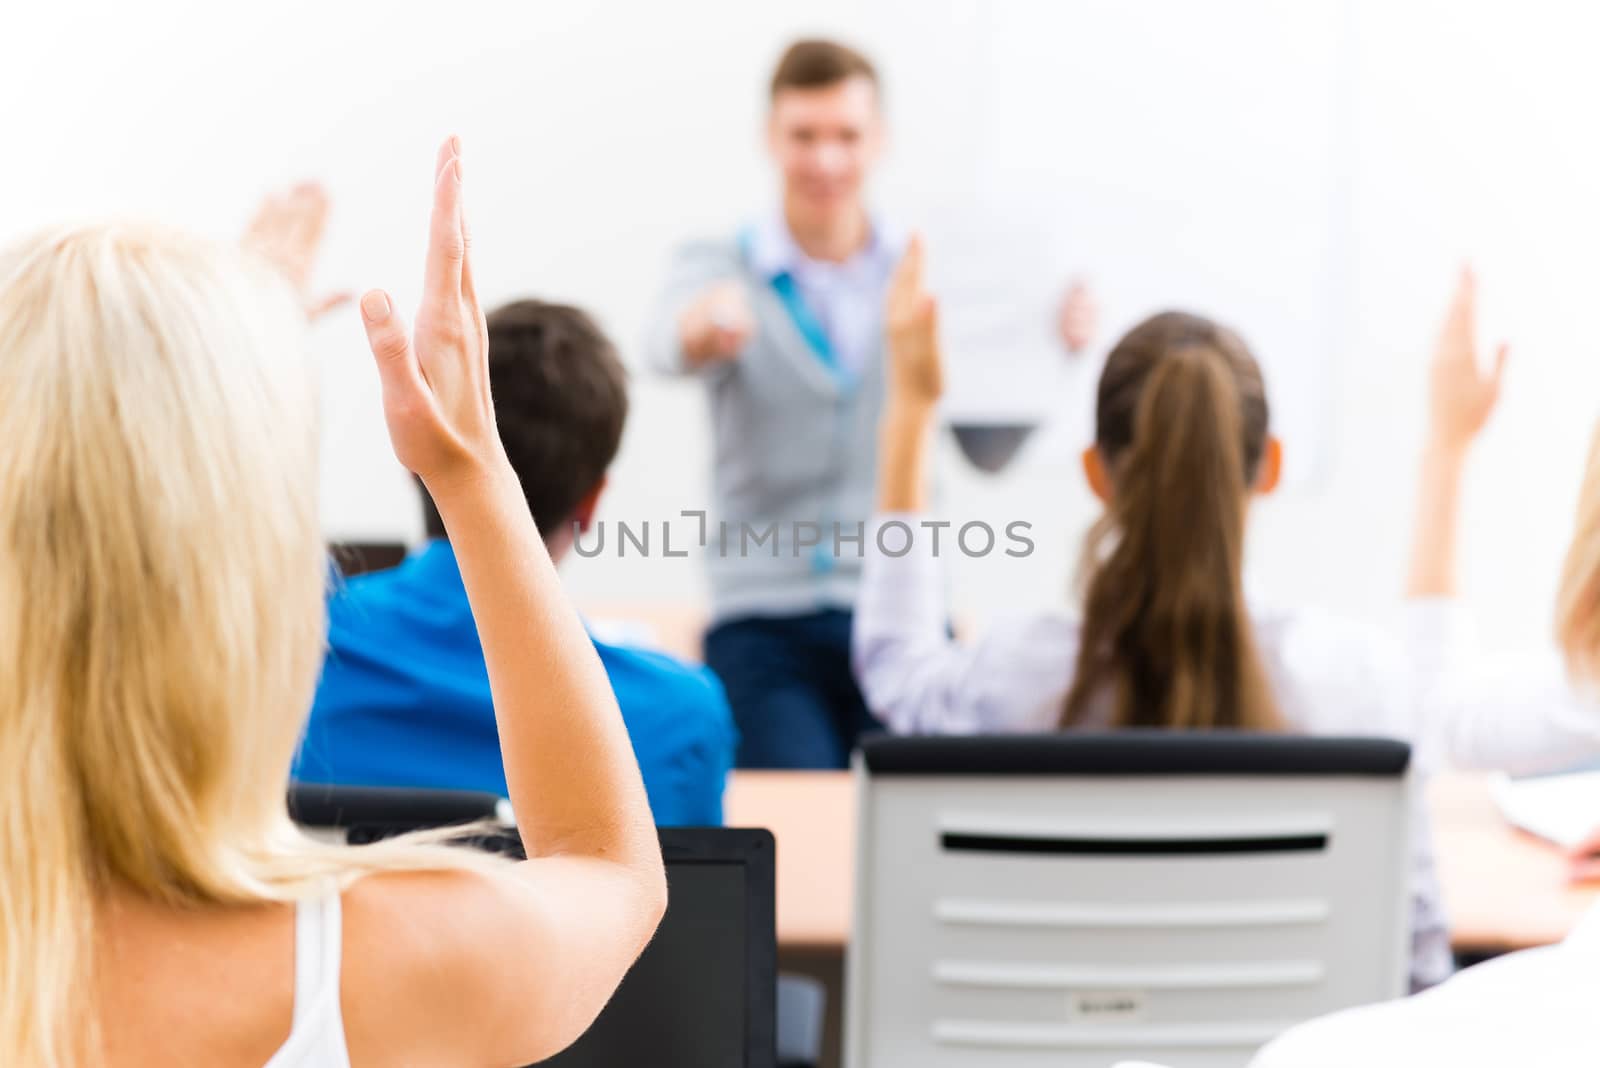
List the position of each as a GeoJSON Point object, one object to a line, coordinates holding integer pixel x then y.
{"type": "Point", "coordinates": [367, 814]}
{"type": "Point", "coordinates": [756, 850]}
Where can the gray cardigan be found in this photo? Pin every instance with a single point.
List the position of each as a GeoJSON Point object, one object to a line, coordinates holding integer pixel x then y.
{"type": "Point", "coordinates": [795, 444]}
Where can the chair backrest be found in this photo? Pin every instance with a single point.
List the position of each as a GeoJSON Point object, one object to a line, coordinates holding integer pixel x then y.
{"type": "Point", "coordinates": [359, 557]}
{"type": "Point", "coordinates": [1079, 899]}
{"type": "Point", "coordinates": [362, 814]}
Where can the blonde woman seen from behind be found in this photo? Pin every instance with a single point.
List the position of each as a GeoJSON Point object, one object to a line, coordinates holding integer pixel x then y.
{"type": "Point", "coordinates": [160, 635]}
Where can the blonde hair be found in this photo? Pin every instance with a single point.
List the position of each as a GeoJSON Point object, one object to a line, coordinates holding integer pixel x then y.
{"type": "Point", "coordinates": [1578, 602]}
{"type": "Point", "coordinates": [161, 582]}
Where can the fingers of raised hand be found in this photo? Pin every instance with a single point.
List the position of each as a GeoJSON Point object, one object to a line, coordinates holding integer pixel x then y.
{"type": "Point", "coordinates": [316, 309]}
{"type": "Point", "coordinates": [388, 339]}
{"type": "Point", "coordinates": [1456, 338]}
{"type": "Point", "coordinates": [308, 219]}
{"type": "Point", "coordinates": [287, 229]}
{"type": "Point", "coordinates": [908, 282]}
{"type": "Point", "coordinates": [1079, 316]}
{"type": "Point", "coordinates": [442, 282]}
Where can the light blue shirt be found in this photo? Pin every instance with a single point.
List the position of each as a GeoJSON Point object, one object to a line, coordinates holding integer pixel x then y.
{"type": "Point", "coordinates": [404, 699]}
{"type": "Point", "coordinates": [846, 299]}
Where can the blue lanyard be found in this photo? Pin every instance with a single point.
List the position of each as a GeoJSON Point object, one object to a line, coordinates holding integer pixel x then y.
{"type": "Point", "coordinates": [804, 319]}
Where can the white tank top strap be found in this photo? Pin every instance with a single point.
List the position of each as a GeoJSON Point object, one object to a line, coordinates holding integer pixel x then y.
{"type": "Point", "coordinates": [316, 1039]}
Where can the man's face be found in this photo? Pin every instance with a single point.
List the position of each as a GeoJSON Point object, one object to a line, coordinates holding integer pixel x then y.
{"type": "Point", "coordinates": [825, 141]}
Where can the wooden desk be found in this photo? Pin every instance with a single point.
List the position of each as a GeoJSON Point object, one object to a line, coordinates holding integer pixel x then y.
{"type": "Point", "coordinates": [1504, 890]}
{"type": "Point", "coordinates": [812, 814]}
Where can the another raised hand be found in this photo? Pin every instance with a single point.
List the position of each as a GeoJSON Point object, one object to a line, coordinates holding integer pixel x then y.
{"type": "Point", "coordinates": [1461, 397]}
{"type": "Point", "coordinates": [916, 382]}
{"type": "Point", "coordinates": [287, 231]}
{"type": "Point", "coordinates": [916, 365]}
{"type": "Point", "coordinates": [436, 378]}
{"type": "Point", "coordinates": [1461, 391]}
{"type": "Point", "coordinates": [1078, 318]}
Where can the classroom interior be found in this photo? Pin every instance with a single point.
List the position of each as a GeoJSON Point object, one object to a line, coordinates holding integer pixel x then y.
{"type": "Point", "coordinates": [1314, 175]}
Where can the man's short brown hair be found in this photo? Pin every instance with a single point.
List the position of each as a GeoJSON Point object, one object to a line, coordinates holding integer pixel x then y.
{"type": "Point", "coordinates": [815, 63]}
{"type": "Point", "coordinates": [560, 402]}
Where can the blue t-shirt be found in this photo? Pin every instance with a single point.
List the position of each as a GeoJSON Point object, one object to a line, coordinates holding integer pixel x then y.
{"type": "Point", "coordinates": [404, 699]}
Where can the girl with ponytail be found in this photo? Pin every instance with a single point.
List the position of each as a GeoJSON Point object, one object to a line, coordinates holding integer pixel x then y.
{"type": "Point", "coordinates": [1180, 442]}
{"type": "Point", "coordinates": [1166, 637]}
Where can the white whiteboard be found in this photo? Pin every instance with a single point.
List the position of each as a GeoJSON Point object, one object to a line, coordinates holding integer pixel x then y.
{"type": "Point", "coordinates": [1176, 155]}
{"type": "Point", "coordinates": [600, 133]}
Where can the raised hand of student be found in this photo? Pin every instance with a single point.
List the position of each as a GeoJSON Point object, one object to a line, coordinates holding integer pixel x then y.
{"type": "Point", "coordinates": [916, 382]}
{"type": "Point", "coordinates": [916, 371]}
{"type": "Point", "coordinates": [501, 968]}
{"type": "Point", "coordinates": [1461, 397]}
{"type": "Point", "coordinates": [1078, 318]}
{"type": "Point", "coordinates": [716, 325]}
{"type": "Point", "coordinates": [287, 231]}
{"type": "Point", "coordinates": [1461, 391]}
{"type": "Point", "coordinates": [436, 377]}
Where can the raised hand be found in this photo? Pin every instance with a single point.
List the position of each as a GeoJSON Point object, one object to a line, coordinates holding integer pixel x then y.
{"type": "Point", "coordinates": [716, 325]}
{"type": "Point", "coordinates": [916, 369]}
{"type": "Point", "coordinates": [436, 379]}
{"type": "Point", "coordinates": [287, 231]}
{"type": "Point", "coordinates": [1462, 394]}
{"type": "Point", "coordinates": [1078, 318]}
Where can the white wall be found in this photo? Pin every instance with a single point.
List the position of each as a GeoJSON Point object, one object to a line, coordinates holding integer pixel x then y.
{"type": "Point", "coordinates": [598, 133]}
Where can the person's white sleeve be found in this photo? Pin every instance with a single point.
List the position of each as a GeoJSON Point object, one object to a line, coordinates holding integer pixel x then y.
{"type": "Point", "coordinates": [1511, 712]}
{"type": "Point", "coordinates": [1438, 638]}
{"type": "Point", "coordinates": [1526, 1008]}
{"type": "Point", "coordinates": [1515, 713]}
{"type": "Point", "coordinates": [694, 267]}
{"type": "Point", "coordinates": [913, 675]}
{"type": "Point", "coordinates": [1367, 1036]}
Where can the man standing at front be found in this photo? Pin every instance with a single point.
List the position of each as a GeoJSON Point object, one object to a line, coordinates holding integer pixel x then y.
{"type": "Point", "coordinates": [783, 323]}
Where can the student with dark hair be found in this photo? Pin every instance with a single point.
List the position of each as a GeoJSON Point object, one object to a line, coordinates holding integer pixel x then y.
{"type": "Point", "coordinates": [404, 697]}
{"type": "Point", "coordinates": [782, 322]}
{"type": "Point", "coordinates": [1167, 637]}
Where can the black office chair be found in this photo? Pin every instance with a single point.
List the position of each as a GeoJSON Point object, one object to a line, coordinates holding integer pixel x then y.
{"type": "Point", "coordinates": [359, 557]}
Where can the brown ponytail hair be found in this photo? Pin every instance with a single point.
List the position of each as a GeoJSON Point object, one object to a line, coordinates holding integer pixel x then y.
{"type": "Point", "coordinates": [1181, 426]}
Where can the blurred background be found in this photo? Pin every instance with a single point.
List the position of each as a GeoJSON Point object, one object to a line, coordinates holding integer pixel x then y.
{"type": "Point", "coordinates": [1313, 172]}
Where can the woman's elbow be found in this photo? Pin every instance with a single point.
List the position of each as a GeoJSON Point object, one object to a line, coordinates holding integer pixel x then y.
{"type": "Point", "coordinates": [648, 899]}
{"type": "Point", "coordinates": [653, 898]}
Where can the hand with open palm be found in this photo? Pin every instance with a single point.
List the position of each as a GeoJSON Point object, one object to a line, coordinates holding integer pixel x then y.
{"type": "Point", "coordinates": [436, 377]}
{"type": "Point", "coordinates": [287, 231]}
{"type": "Point", "coordinates": [1462, 393]}
{"type": "Point", "coordinates": [916, 370]}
